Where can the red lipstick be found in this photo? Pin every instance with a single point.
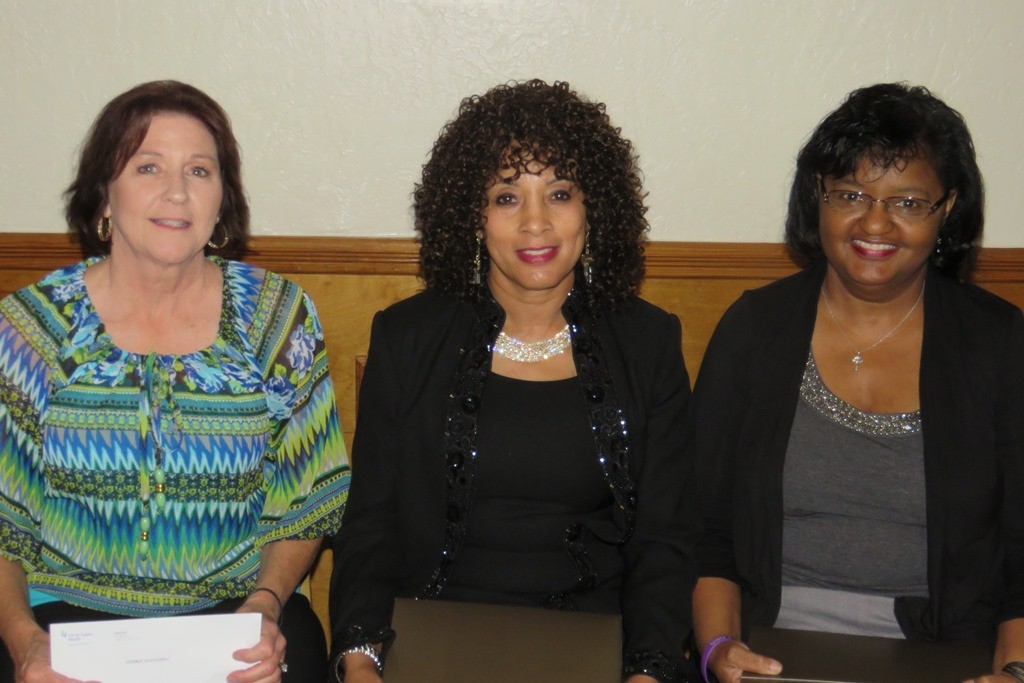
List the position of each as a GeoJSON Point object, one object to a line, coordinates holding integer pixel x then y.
{"type": "Point", "coordinates": [535, 255]}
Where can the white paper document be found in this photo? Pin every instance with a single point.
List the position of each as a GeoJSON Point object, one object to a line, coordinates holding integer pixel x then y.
{"type": "Point", "coordinates": [196, 649]}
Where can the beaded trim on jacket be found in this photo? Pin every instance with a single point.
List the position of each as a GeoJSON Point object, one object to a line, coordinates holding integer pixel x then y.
{"type": "Point", "coordinates": [607, 420]}
{"type": "Point", "coordinates": [611, 441]}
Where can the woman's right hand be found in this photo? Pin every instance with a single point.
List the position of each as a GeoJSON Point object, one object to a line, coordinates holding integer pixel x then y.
{"type": "Point", "coordinates": [34, 665]}
{"type": "Point", "coordinates": [27, 643]}
{"type": "Point", "coordinates": [360, 669]}
{"type": "Point", "coordinates": [731, 659]}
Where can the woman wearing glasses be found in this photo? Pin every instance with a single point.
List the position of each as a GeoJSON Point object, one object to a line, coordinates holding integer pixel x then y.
{"type": "Point", "coordinates": [857, 426]}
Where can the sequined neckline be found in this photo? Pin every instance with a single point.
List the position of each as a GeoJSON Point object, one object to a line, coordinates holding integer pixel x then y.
{"type": "Point", "coordinates": [814, 392]}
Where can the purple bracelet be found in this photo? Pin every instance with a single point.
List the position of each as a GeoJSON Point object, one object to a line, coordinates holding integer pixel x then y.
{"type": "Point", "coordinates": [706, 652]}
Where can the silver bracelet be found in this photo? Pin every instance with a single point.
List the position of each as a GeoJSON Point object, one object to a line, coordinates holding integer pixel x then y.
{"type": "Point", "coordinates": [1015, 669]}
{"type": "Point", "coordinates": [365, 649]}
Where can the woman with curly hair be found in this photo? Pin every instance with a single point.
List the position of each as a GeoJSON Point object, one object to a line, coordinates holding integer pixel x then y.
{"type": "Point", "coordinates": [518, 437]}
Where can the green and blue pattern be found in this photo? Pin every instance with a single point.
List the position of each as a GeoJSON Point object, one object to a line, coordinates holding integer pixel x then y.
{"type": "Point", "coordinates": [245, 435]}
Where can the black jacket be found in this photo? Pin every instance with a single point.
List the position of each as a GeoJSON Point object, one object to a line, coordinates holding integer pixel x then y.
{"type": "Point", "coordinates": [972, 415]}
{"type": "Point", "coordinates": [403, 508]}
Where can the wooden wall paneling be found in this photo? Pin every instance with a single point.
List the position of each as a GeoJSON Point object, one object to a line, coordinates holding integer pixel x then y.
{"type": "Point", "coordinates": [699, 304]}
{"type": "Point", "coordinates": [346, 305]}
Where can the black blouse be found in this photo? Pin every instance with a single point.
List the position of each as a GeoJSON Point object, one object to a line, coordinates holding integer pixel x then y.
{"type": "Point", "coordinates": [535, 477]}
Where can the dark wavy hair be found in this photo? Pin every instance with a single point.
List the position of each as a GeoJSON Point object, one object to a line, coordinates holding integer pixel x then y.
{"type": "Point", "coordinates": [117, 134]}
{"type": "Point", "coordinates": [511, 126]}
{"type": "Point", "coordinates": [888, 125]}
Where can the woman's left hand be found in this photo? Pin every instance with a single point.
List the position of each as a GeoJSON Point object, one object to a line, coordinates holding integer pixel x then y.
{"type": "Point", "coordinates": [641, 678]}
{"type": "Point", "coordinates": [266, 656]}
{"type": "Point", "coordinates": [992, 678]}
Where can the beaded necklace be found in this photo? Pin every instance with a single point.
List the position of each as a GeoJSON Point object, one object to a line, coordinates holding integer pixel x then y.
{"type": "Point", "coordinates": [159, 419]}
{"type": "Point", "coordinates": [532, 352]}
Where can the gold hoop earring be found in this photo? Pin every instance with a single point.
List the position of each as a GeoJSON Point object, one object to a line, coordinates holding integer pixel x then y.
{"type": "Point", "coordinates": [224, 242]}
{"type": "Point", "coordinates": [477, 267]}
{"type": "Point", "coordinates": [103, 229]}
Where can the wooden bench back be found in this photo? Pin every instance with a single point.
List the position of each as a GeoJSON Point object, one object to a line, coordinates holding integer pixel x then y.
{"type": "Point", "coordinates": [350, 279]}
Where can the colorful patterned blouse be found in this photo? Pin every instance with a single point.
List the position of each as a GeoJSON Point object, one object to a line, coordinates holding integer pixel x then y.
{"type": "Point", "coordinates": [146, 485]}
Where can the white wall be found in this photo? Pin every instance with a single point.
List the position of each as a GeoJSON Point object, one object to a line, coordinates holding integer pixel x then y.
{"type": "Point", "coordinates": [336, 103]}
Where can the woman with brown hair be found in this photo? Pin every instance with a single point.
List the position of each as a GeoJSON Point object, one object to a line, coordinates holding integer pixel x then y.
{"type": "Point", "coordinates": [167, 424]}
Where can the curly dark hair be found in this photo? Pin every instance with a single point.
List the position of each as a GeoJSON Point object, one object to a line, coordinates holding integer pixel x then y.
{"type": "Point", "coordinates": [117, 134]}
{"type": "Point", "coordinates": [513, 126]}
{"type": "Point", "coordinates": [888, 125]}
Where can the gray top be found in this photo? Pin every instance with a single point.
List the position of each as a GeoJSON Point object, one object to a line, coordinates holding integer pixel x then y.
{"type": "Point", "coordinates": [853, 506]}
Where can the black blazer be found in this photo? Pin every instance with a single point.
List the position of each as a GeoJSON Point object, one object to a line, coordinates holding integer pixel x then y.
{"type": "Point", "coordinates": [972, 415]}
{"type": "Point", "coordinates": [397, 518]}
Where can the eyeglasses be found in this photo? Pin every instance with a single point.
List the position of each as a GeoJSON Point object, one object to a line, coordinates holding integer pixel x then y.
{"type": "Point", "coordinates": [901, 208]}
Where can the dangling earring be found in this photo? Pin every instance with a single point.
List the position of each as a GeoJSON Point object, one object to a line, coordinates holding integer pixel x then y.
{"type": "Point", "coordinates": [223, 243]}
{"type": "Point", "coordinates": [477, 268]}
{"type": "Point", "coordinates": [587, 261]}
{"type": "Point", "coordinates": [938, 245]}
{"type": "Point", "coordinates": [103, 229]}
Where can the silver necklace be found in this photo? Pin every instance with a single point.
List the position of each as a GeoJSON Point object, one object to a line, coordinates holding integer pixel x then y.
{"type": "Point", "coordinates": [532, 352]}
{"type": "Point", "coordinates": [858, 356]}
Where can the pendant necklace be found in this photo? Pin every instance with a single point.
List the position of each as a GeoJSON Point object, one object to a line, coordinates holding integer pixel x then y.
{"type": "Point", "coordinates": [858, 355]}
{"type": "Point", "coordinates": [532, 352]}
